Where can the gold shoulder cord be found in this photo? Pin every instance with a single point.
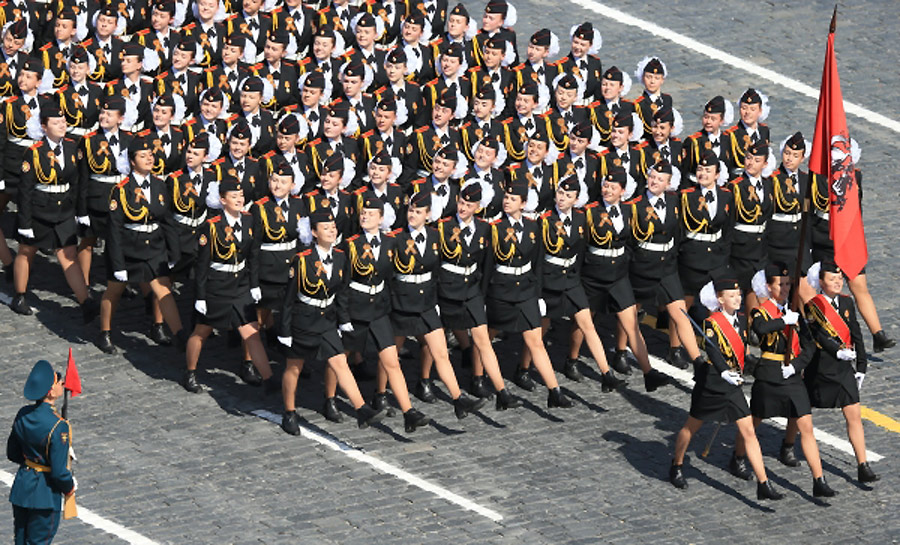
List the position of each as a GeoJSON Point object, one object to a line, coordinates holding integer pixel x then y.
{"type": "Point", "coordinates": [495, 239]}
{"type": "Point", "coordinates": [822, 202]}
{"type": "Point", "coordinates": [724, 346]}
{"type": "Point", "coordinates": [95, 167]}
{"type": "Point", "coordinates": [771, 338]}
{"type": "Point", "coordinates": [780, 200]}
{"type": "Point", "coordinates": [736, 151]}
{"type": "Point", "coordinates": [745, 215]}
{"type": "Point", "coordinates": [510, 149]}
{"type": "Point", "coordinates": [134, 214]}
{"type": "Point", "coordinates": [423, 152]}
{"type": "Point", "coordinates": [552, 247]}
{"type": "Point", "coordinates": [214, 245]}
{"type": "Point", "coordinates": [561, 143]}
{"type": "Point", "coordinates": [11, 126]}
{"type": "Point", "coordinates": [39, 172]}
{"type": "Point", "coordinates": [358, 267]}
{"type": "Point", "coordinates": [639, 235]}
{"type": "Point", "coordinates": [445, 250]}
{"type": "Point", "coordinates": [305, 285]}
{"type": "Point", "coordinates": [595, 236]}
{"type": "Point", "coordinates": [595, 121]}
{"type": "Point", "coordinates": [817, 315]}
{"type": "Point", "coordinates": [685, 206]}
{"type": "Point", "coordinates": [314, 160]}
{"type": "Point", "coordinates": [74, 119]}
{"type": "Point", "coordinates": [402, 268]}
{"type": "Point", "coordinates": [179, 202]}
{"type": "Point", "coordinates": [272, 234]}
{"type": "Point", "coordinates": [467, 148]}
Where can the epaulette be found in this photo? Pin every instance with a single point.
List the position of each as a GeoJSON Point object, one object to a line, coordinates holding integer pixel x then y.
{"type": "Point", "coordinates": [190, 26]}
{"type": "Point", "coordinates": [594, 204]}
{"type": "Point", "coordinates": [367, 134]}
{"type": "Point", "coordinates": [577, 211]}
{"type": "Point", "coordinates": [166, 73]}
{"type": "Point", "coordinates": [11, 99]}
{"type": "Point", "coordinates": [190, 121]}
{"type": "Point", "coordinates": [634, 200]}
{"type": "Point", "coordinates": [395, 232]}
{"type": "Point", "coordinates": [312, 193]}
{"type": "Point", "coordinates": [545, 115]}
{"type": "Point", "coordinates": [725, 189]}
{"type": "Point", "coordinates": [263, 200]}
{"type": "Point", "coordinates": [315, 142]}
{"type": "Point", "coordinates": [761, 124]}
{"type": "Point", "coordinates": [561, 155]}
{"type": "Point", "coordinates": [643, 144]}
{"type": "Point", "coordinates": [90, 41]}
{"type": "Point", "coordinates": [232, 118]}
{"type": "Point", "coordinates": [514, 166]}
{"type": "Point", "coordinates": [305, 60]}
{"type": "Point", "coordinates": [354, 237]}
{"type": "Point", "coordinates": [360, 191]}
{"type": "Point", "coordinates": [519, 67]}
{"type": "Point", "coordinates": [581, 106]}
{"type": "Point", "coordinates": [121, 184]}
{"type": "Point", "coordinates": [442, 220]}
{"type": "Point", "coordinates": [689, 189]}
{"type": "Point", "coordinates": [337, 250]}
{"type": "Point", "coordinates": [173, 128]}
{"type": "Point", "coordinates": [496, 221]}
{"type": "Point", "coordinates": [603, 152]}
{"type": "Point", "coordinates": [142, 32]}
{"type": "Point", "coordinates": [546, 214]}
{"type": "Point", "coordinates": [218, 161]}
{"type": "Point", "coordinates": [380, 90]}
{"type": "Point", "coordinates": [557, 62]}
{"type": "Point", "coordinates": [36, 145]}
{"type": "Point", "coordinates": [507, 121]}
{"type": "Point", "coordinates": [90, 134]}
{"type": "Point", "coordinates": [594, 104]}
{"type": "Point", "coordinates": [466, 124]}
{"type": "Point", "coordinates": [67, 139]}
{"type": "Point", "coordinates": [306, 252]}
{"type": "Point", "coordinates": [437, 41]}
{"type": "Point", "coordinates": [46, 46]}
{"type": "Point", "coordinates": [675, 139]}
{"type": "Point", "coordinates": [348, 53]}
{"type": "Point", "coordinates": [177, 173]}
{"type": "Point", "coordinates": [422, 129]}
{"type": "Point", "coordinates": [256, 66]}
{"type": "Point", "coordinates": [268, 154]}
{"type": "Point", "coordinates": [63, 89]}
{"type": "Point", "coordinates": [730, 130]}
{"type": "Point", "coordinates": [432, 82]}
{"type": "Point", "coordinates": [640, 98]}
{"type": "Point", "coordinates": [475, 69]}
{"type": "Point", "coordinates": [112, 82]}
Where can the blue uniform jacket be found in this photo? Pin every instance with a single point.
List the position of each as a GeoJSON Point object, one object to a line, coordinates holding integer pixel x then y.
{"type": "Point", "coordinates": [42, 437]}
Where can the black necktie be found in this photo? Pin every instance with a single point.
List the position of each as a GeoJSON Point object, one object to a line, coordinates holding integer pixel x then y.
{"type": "Point", "coordinates": [614, 212]}
{"type": "Point", "coordinates": [540, 70]}
{"type": "Point", "coordinates": [388, 141]}
{"type": "Point", "coordinates": [57, 151]}
{"type": "Point", "coordinates": [714, 143]}
{"type": "Point", "coordinates": [445, 140]}
{"type": "Point", "coordinates": [132, 89]}
{"type": "Point", "coordinates": [625, 157]}
{"type": "Point", "coordinates": [232, 76]}
{"type": "Point", "coordinates": [420, 238]}
{"type": "Point", "coordinates": [759, 187]}
{"type": "Point", "coordinates": [12, 65]}
{"type": "Point", "coordinates": [312, 116]}
{"type": "Point", "coordinates": [834, 303]}
{"type": "Point", "coordinates": [166, 139]}
{"type": "Point", "coordinates": [107, 50]}
{"type": "Point", "coordinates": [579, 163]}
{"type": "Point", "coordinates": [794, 180]}
{"type": "Point", "coordinates": [65, 52]}
{"type": "Point", "coordinates": [84, 91]}
{"type": "Point", "coordinates": [518, 228]}
{"type": "Point", "coordinates": [401, 94]}
{"type": "Point", "coordinates": [211, 34]}
{"type": "Point", "coordinates": [737, 324]}
{"type": "Point", "coordinates": [375, 242]}
{"type": "Point", "coordinates": [568, 117]}
{"type": "Point", "coordinates": [327, 260]}
{"type": "Point", "coordinates": [276, 75]}
{"type": "Point", "coordinates": [614, 108]}
{"type": "Point", "coordinates": [113, 141]}
{"type": "Point", "coordinates": [710, 196]}
{"type": "Point", "coordinates": [256, 121]}
{"type": "Point", "coordinates": [664, 152]}
{"type": "Point", "coordinates": [660, 204]}
{"type": "Point", "coordinates": [754, 137]}
{"type": "Point", "coordinates": [466, 232]}
{"type": "Point", "coordinates": [253, 25]}
{"type": "Point", "coordinates": [567, 222]}
{"type": "Point", "coordinates": [325, 67]}
{"type": "Point", "coordinates": [495, 76]}
{"type": "Point", "coordinates": [165, 43]}
{"type": "Point", "coordinates": [442, 190]}
{"type": "Point", "coordinates": [529, 125]}
{"type": "Point", "coordinates": [537, 174]}
{"type": "Point", "coordinates": [182, 79]}
{"type": "Point", "coordinates": [31, 103]}
{"type": "Point", "coordinates": [582, 65]}
{"type": "Point", "coordinates": [294, 160]}
{"type": "Point", "coordinates": [145, 186]}
{"type": "Point", "coordinates": [240, 167]}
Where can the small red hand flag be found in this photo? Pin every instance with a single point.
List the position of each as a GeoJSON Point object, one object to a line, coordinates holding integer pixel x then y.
{"type": "Point", "coordinates": [73, 381]}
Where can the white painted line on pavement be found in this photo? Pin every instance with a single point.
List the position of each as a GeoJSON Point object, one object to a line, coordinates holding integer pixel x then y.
{"type": "Point", "coordinates": [727, 58]}
{"type": "Point", "coordinates": [385, 467]}
{"type": "Point", "coordinates": [821, 436]}
{"type": "Point", "coordinates": [89, 517]}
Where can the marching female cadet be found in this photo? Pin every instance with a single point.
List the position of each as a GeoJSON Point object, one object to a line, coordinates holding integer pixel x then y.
{"type": "Point", "coordinates": [414, 300]}
{"type": "Point", "coordinates": [563, 234]}
{"type": "Point", "coordinates": [604, 275]}
{"type": "Point", "coordinates": [656, 230]}
{"type": "Point", "coordinates": [831, 379]}
{"type": "Point", "coordinates": [381, 182]}
{"type": "Point", "coordinates": [189, 188]}
{"type": "Point", "coordinates": [142, 244]}
{"type": "Point", "coordinates": [717, 393]}
{"type": "Point", "coordinates": [465, 254]}
{"type": "Point", "coordinates": [513, 299]}
{"type": "Point", "coordinates": [313, 317]}
{"type": "Point", "coordinates": [778, 388]}
{"type": "Point", "coordinates": [48, 199]}
{"type": "Point", "coordinates": [369, 306]}
{"type": "Point", "coordinates": [227, 284]}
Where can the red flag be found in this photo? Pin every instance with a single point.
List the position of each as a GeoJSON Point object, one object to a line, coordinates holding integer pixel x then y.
{"type": "Point", "coordinates": [73, 381]}
{"type": "Point", "coordinates": [832, 160]}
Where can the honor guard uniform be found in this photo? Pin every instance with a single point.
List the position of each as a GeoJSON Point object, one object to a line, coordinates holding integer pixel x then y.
{"type": "Point", "coordinates": [539, 172]}
{"type": "Point", "coordinates": [652, 71]}
{"type": "Point", "coordinates": [354, 75]}
{"type": "Point", "coordinates": [281, 73]}
{"type": "Point", "coordinates": [258, 25]}
{"type": "Point", "coordinates": [389, 193]}
{"type": "Point", "coordinates": [329, 195]}
{"type": "Point", "coordinates": [105, 46]}
{"type": "Point", "coordinates": [161, 36]}
{"type": "Point", "coordinates": [11, 64]}
{"type": "Point", "coordinates": [334, 138]}
{"type": "Point", "coordinates": [582, 60]}
{"type": "Point", "coordinates": [212, 100]}
{"type": "Point", "coordinates": [136, 88]}
{"type": "Point", "coordinates": [836, 372]}
{"type": "Point", "coordinates": [486, 162]}
{"type": "Point", "coordinates": [228, 74]}
{"type": "Point", "coordinates": [783, 232]}
{"type": "Point", "coordinates": [426, 141]}
{"type": "Point", "coordinates": [54, 54]}
{"type": "Point", "coordinates": [716, 114]}
{"type": "Point", "coordinates": [624, 152]}
{"type": "Point", "coordinates": [525, 122]}
{"type": "Point", "coordinates": [189, 188]}
{"type": "Point", "coordinates": [753, 207]}
{"type": "Point", "coordinates": [664, 145]}
{"type": "Point", "coordinates": [296, 18]}
{"type": "Point", "coordinates": [611, 103]}
{"type": "Point", "coordinates": [584, 163]}
{"type": "Point", "coordinates": [566, 102]}
{"type": "Point", "coordinates": [260, 122]}
{"type": "Point", "coordinates": [419, 53]}
{"type": "Point", "coordinates": [503, 17]}
{"type": "Point", "coordinates": [330, 63]}
{"type": "Point", "coordinates": [182, 78]}
{"type": "Point", "coordinates": [367, 28]}
{"type": "Point", "coordinates": [441, 184]}
{"type": "Point", "coordinates": [403, 90]}
{"type": "Point", "coordinates": [211, 36]}
{"type": "Point", "coordinates": [754, 108]}
{"type": "Point", "coordinates": [386, 135]}
{"type": "Point", "coordinates": [491, 71]}
{"type": "Point", "coordinates": [247, 169]}
{"type": "Point", "coordinates": [456, 84]}
{"type": "Point", "coordinates": [40, 442]}
{"type": "Point", "coordinates": [291, 140]}
{"type": "Point", "coordinates": [392, 12]}
{"type": "Point", "coordinates": [80, 100]}
{"type": "Point", "coordinates": [481, 123]}
{"type": "Point", "coordinates": [312, 90]}
{"type": "Point", "coordinates": [17, 112]}
{"type": "Point", "coordinates": [337, 15]}
{"type": "Point", "coordinates": [707, 215]}
{"type": "Point", "coordinates": [168, 140]}
{"type": "Point", "coordinates": [537, 70]}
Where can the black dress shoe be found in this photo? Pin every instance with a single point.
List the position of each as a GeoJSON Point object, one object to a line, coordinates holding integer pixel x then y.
{"type": "Point", "coordinates": [821, 488]}
{"type": "Point", "coordinates": [555, 398]}
{"type": "Point", "coordinates": [331, 412]}
{"type": "Point", "coordinates": [181, 340]}
{"type": "Point", "coordinates": [361, 372]}
{"type": "Point", "coordinates": [290, 422]}
{"type": "Point", "coordinates": [466, 358]}
{"type": "Point", "coordinates": [413, 419]}
{"type": "Point", "coordinates": [570, 369]}
{"type": "Point", "coordinates": [479, 389]}
{"type": "Point", "coordinates": [505, 400]}
{"type": "Point", "coordinates": [366, 416]}
{"type": "Point", "coordinates": [463, 405]}
{"type": "Point", "coordinates": [619, 362]}
{"type": "Point", "coordinates": [105, 344]}
{"type": "Point", "coordinates": [159, 336]}
{"type": "Point", "coordinates": [380, 403]}
{"type": "Point", "coordinates": [678, 358]}
{"type": "Point", "coordinates": [610, 382]}
{"type": "Point", "coordinates": [653, 379]}
{"type": "Point", "coordinates": [765, 491]}
{"type": "Point", "coordinates": [676, 477]}
{"type": "Point", "coordinates": [272, 385]}
{"type": "Point", "coordinates": [248, 373]}
{"type": "Point", "coordinates": [424, 391]}
{"type": "Point", "coordinates": [523, 380]}
{"type": "Point", "coordinates": [190, 382]}
{"type": "Point", "coordinates": [880, 341]}
{"type": "Point", "coordinates": [19, 306]}
{"type": "Point", "coordinates": [739, 467]}
{"type": "Point", "coordinates": [786, 455]}
{"type": "Point", "coordinates": [90, 309]}
{"type": "Point", "coordinates": [865, 474]}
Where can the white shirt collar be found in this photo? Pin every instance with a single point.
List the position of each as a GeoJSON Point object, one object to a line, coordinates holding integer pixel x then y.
{"type": "Point", "coordinates": [324, 254]}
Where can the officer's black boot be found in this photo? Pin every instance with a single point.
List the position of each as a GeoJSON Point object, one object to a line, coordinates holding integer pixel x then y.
{"type": "Point", "coordinates": [190, 382]}
{"type": "Point", "coordinates": [570, 369]}
{"type": "Point", "coordinates": [880, 341]}
{"type": "Point", "coordinates": [555, 398]}
{"type": "Point", "coordinates": [786, 455]}
{"type": "Point", "coordinates": [479, 389]}
{"type": "Point", "coordinates": [523, 380]}
{"type": "Point", "coordinates": [290, 422]}
{"type": "Point", "coordinates": [619, 362]}
{"type": "Point", "coordinates": [463, 405]}
{"type": "Point", "coordinates": [380, 403]}
{"type": "Point", "coordinates": [739, 467]}
{"type": "Point", "coordinates": [821, 488]}
{"type": "Point", "coordinates": [765, 491]}
{"type": "Point", "coordinates": [20, 306]}
{"type": "Point", "coordinates": [653, 379]}
{"type": "Point", "coordinates": [865, 474]}
{"type": "Point", "coordinates": [677, 357]}
{"type": "Point", "coordinates": [413, 419]}
{"type": "Point", "coordinates": [159, 336]}
{"type": "Point", "coordinates": [366, 416]}
{"type": "Point", "coordinates": [105, 344]}
{"type": "Point", "coordinates": [424, 391]}
{"type": "Point", "coordinates": [331, 412]}
{"type": "Point", "coordinates": [610, 382]}
{"type": "Point", "coordinates": [676, 477]}
{"type": "Point", "coordinates": [505, 400]}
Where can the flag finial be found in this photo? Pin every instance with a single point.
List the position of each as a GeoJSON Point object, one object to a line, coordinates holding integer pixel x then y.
{"type": "Point", "coordinates": [833, 26]}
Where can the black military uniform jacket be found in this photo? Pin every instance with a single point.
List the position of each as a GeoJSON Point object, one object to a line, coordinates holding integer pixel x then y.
{"type": "Point", "coordinates": [506, 33]}
{"type": "Point", "coordinates": [739, 140]}
{"type": "Point", "coordinates": [144, 85]}
{"type": "Point", "coordinates": [608, 249]}
{"type": "Point", "coordinates": [297, 21]}
{"type": "Point", "coordinates": [219, 247]}
{"type": "Point", "coordinates": [411, 95]}
{"type": "Point", "coordinates": [257, 27]}
{"type": "Point", "coordinates": [671, 152]}
{"type": "Point", "coordinates": [165, 162]}
{"type": "Point", "coordinates": [706, 242]}
{"type": "Point", "coordinates": [646, 107]}
{"type": "Point", "coordinates": [722, 357]}
{"type": "Point", "coordinates": [262, 123]}
{"type": "Point", "coordinates": [46, 191]}
{"type": "Point", "coordinates": [187, 85]}
{"type": "Point", "coordinates": [464, 259]}
{"type": "Point", "coordinates": [691, 149]}
{"type": "Point", "coordinates": [602, 116]}
{"type": "Point", "coordinates": [590, 69]}
{"type": "Point", "coordinates": [98, 169]}
{"type": "Point", "coordinates": [415, 298]}
{"type": "Point", "coordinates": [284, 82]}
{"type": "Point", "coordinates": [131, 208]}
{"type": "Point", "coordinates": [342, 210]}
{"type": "Point", "coordinates": [275, 225]}
{"type": "Point", "coordinates": [308, 278]}
{"type": "Point", "coordinates": [107, 56]}
{"type": "Point", "coordinates": [825, 365]}
{"type": "Point", "coordinates": [424, 143]}
{"type": "Point", "coordinates": [448, 191]}
{"type": "Point", "coordinates": [541, 178]}
{"type": "Point", "coordinates": [164, 46]}
{"type": "Point", "coordinates": [504, 82]}
{"type": "Point", "coordinates": [473, 130]}
{"type": "Point", "coordinates": [638, 165]}
{"type": "Point", "coordinates": [188, 193]}
{"type": "Point", "coordinates": [751, 216]}
{"type": "Point", "coordinates": [574, 115]}
{"type": "Point", "coordinates": [320, 148]}
{"type": "Point", "coordinates": [211, 39]}
{"type": "Point", "coordinates": [9, 70]}
{"type": "Point", "coordinates": [217, 128]}
{"type": "Point", "coordinates": [563, 251]}
{"type": "Point", "coordinates": [509, 251]}
{"type": "Point", "coordinates": [249, 173]}
{"type": "Point", "coordinates": [226, 79]}
{"type": "Point", "coordinates": [651, 236]}
{"type": "Point", "coordinates": [369, 293]}
{"type": "Point", "coordinates": [80, 103]}
{"type": "Point", "coordinates": [517, 131]}
{"type": "Point", "coordinates": [767, 323]}
{"type": "Point", "coordinates": [54, 59]}
{"type": "Point", "coordinates": [432, 90]}
{"type": "Point", "coordinates": [783, 231]}
{"type": "Point", "coordinates": [495, 177]}
{"type": "Point", "coordinates": [392, 195]}
{"type": "Point", "coordinates": [587, 167]}
{"type": "Point", "coordinates": [14, 140]}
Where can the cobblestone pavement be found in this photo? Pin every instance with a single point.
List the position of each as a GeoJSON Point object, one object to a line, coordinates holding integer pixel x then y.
{"type": "Point", "coordinates": [179, 468]}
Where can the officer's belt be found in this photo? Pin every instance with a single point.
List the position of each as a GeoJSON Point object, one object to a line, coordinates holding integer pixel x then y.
{"type": "Point", "coordinates": [423, 173]}
{"type": "Point", "coordinates": [108, 178]}
{"type": "Point", "coordinates": [656, 246]}
{"type": "Point", "coordinates": [37, 467]}
{"type": "Point", "coordinates": [515, 271]}
{"type": "Point", "coordinates": [81, 131]}
{"type": "Point", "coordinates": [607, 252]}
{"type": "Point", "coordinates": [786, 218]}
{"type": "Point", "coordinates": [772, 356]}
{"type": "Point", "coordinates": [52, 188]}
{"type": "Point", "coordinates": [824, 215]}
{"type": "Point", "coordinates": [190, 222]}
{"type": "Point", "coordinates": [24, 142]}
{"type": "Point", "coordinates": [497, 216]}
{"type": "Point", "coordinates": [559, 261]}
{"type": "Point", "coordinates": [277, 246]}
{"type": "Point", "coordinates": [457, 269]}
{"type": "Point", "coordinates": [366, 288]}
{"type": "Point", "coordinates": [705, 237]}
{"type": "Point", "coordinates": [313, 302]}
{"type": "Point", "coordinates": [744, 228]}
{"type": "Point", "coordinates": [142, 227]}
{"type": "Point", "coordinates": [530, 215]}
{"type": "Point", "coordinates": [414, 278]}
{"type": "Point", "coordinates": [227, 267]}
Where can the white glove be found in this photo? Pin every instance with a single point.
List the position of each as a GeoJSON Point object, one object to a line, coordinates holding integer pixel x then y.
{"type": "Point", "coordinates": [84, 220]}
{"type": "Point", "coordinates": [171, 265]}
{"type": "Point", "coordinates": [75, 483]}
{"type": "Point", "coordinates": [121, 276]}
{"type": "Point", "coordinates": [437, 309]}
{"type": "Point", "coordinates": [846, 354]}
{"type": "Point", "coordinates": [542, 305]}
{"type": "Point", "coordinates": [346, 328]}
{"type": "Point", "coordinates": [2, 185]}
{"type": "Point", "coordinates": [256, 294]}
{"type": "Point", "coordinates": [787, 370]}
{"type": "Point", "coordinates": [200, 306]}
{"type": "Point", "coordinates": [72, 454]}
{"type": "Point", "coordinates": [859, 379]}
{"type": "Point", "coordinates": [790, 317]}
{"type": "Point", "coordinates": [27, 233]}
{"type": "Point", "coordinates": [287, 341]}
{"type": "Point", "coordinates": [732, 377]}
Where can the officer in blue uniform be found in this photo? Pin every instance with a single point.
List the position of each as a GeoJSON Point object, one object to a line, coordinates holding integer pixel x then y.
{"type": "Point", "coordinates": [39, 442]}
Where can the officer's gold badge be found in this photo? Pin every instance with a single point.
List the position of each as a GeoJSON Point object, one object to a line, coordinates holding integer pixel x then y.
{"type": "Point", "coordinates": [25, 166]}
{"type": "Point", "coordinates": [202, 240]}
{"type": "Point", "coordinates": [113, 205]}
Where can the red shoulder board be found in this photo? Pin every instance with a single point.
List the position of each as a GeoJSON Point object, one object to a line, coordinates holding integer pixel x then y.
{"type": "Point", "coordinates": [90, 134]}
{"type": "Point", "coordinates": [432, 82]}
{"type": "Point", "coordinates": [635, 200]}
{"type": "Point", "coordinates": [437, 41]}
{"type": "Point", "coordinates": [142, 32]}
{"type": "Point", "coordinates": [514, 166]}
{"type": "Point", "coordinates": [263, 200]}
{"type": "Point", "coordinates": [214, 220]}
{"type": "Point", "coordinates": [232, 117]}
{"type": "Point", "coordinates": [354, 237]}
{"type": "Point", "coordinates": [561, 155]}
{"type": "Point", "coordinates": [315, 142]}
{"type": "Point", "coordinates": [422, 129]}
{"type": "Point", "coordinates": [689, 190]}
{"type": "Point", "coordinates": [306, 252]}
{"type": "Point", "coordinates": [519, 67]}
{"type": "Point", "coordinates": [592, 204]}
{"type": "Point", "coordinates": [466, 124]}
{"type": "Point", "coordinates": [474, 69]}
{"type": "Point", "coordinates": [507, 120]}
{"type": "Point", "coordinates": [268, 154]}
{"type": "Point", "coordinates": [730, 130]}
{"type": "Point", "coordinates": [496, 221]}
{"type": "Point", "coordinates": [367, 133]}
{"type": "Point", "coordinates": [304, 61]}
{"type": "Point", "coordinates": [640, 98]}
{"type": "Point", "coordinates": [36, 145]}
{"type": "Point", "coordinates": [546, 214]}
{"type": "Point", "coordinates": [44, 47]}
{"type": "Point", "coordinates": [67, 139]}
{"type": "Point", "coordinates": [360, 191]}
{"type": "Point", "coordinates": [697, 134]}
{"type": "Point", "coordinates": [312, 193]}
{"type": "Point", "coordinates": [90, 41]}
{"type": "Point", "coordinates": [643, 144]}
{"type": "Point", "coordinates": [177, 173]}
{"type": "Point", "coordinates": [166, 73]}
{"type": "Point", "coordinates": [442, 220]}
{"type": "Point", "coordinates": [395, 232]}
{"type": "Point", "coordinates": [337, 250]}
{"type": "Point", "coordinates": [380, 90]}
{"type": "Point", "coordinates": [218, 161]}
{"type": "Point", "coordinates": [603, 152]}
{"type": "Point", "coordinates": [725, 189]}
{"type": "Point", "coordinates": [122, 183]}
{"type": "Point", "coordinates": [557, 62]}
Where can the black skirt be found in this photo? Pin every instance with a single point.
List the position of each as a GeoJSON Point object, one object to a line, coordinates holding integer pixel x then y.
{"type": "Point", "coordinates": [272, 295]}
{"type": "Point", "coordinates": [566, 303]}
{"type": "Point", "coordinates": [377, 334]}
{"type": "Point", "coordinates": [227, 313]}
{"type": "Point", "coordinates": [744, 269]}
{"type": "Point", "coordinates": [51, 236]}
{"type": "Point", "coordinates": [728, 407]}
{"type": "Point", "coordinates": [788, 399]}
{"type": "Point", "coordinates": [657, 291]}
{"type": "Point", "coordinates": [141, 270]}
{"type": "Point", "coordinates": [307, 345]}
{"type": "Point", "coordinates": [98, 227]}
{"type": "Point", "coordinates": [608, 297]}
{"type": "Point", "coordinates": [412, 324]}
{"type": "Point", "coordinates": [826, 394]}
{"type": "Point", "coordinates": [460, 315]}
{"type": "Point", "coordinates": [693, 280]}
{"type": "Point", "coordinates": [513, 317]}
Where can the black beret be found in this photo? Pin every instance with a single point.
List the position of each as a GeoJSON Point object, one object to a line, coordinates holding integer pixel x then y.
{"type": "Point", "coordinates": [497, 6]}
{"type": "Point", "coordinates": [396, 56]}
{"type": "Point", "coordinates": [568, 81]}
{"type": "Point", "coordinates": [775, 268]}
{"type": "Point", "coordinates": [623, 119]}
{"type": "Point", "coordinates": [382, 158]}
{"type": "Point", "coordinates": [708, 158]}
{"type": "Point", "coordinates": [583, 130]}
{"type": "Point", "coordinates": [664, 115]}
{"type": "Point", "coordinates": [200, 141]}
{"type": "Point", "coordinates": [315, 80]}
{"type": "Point", "coordinates": [252, 84]}
{"type": "Point", "coordinates": [460, 10]}
{"type": "Point", "coordinates": [229, 183]}
{"type": "Point", "coordinates": [289, 124]}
